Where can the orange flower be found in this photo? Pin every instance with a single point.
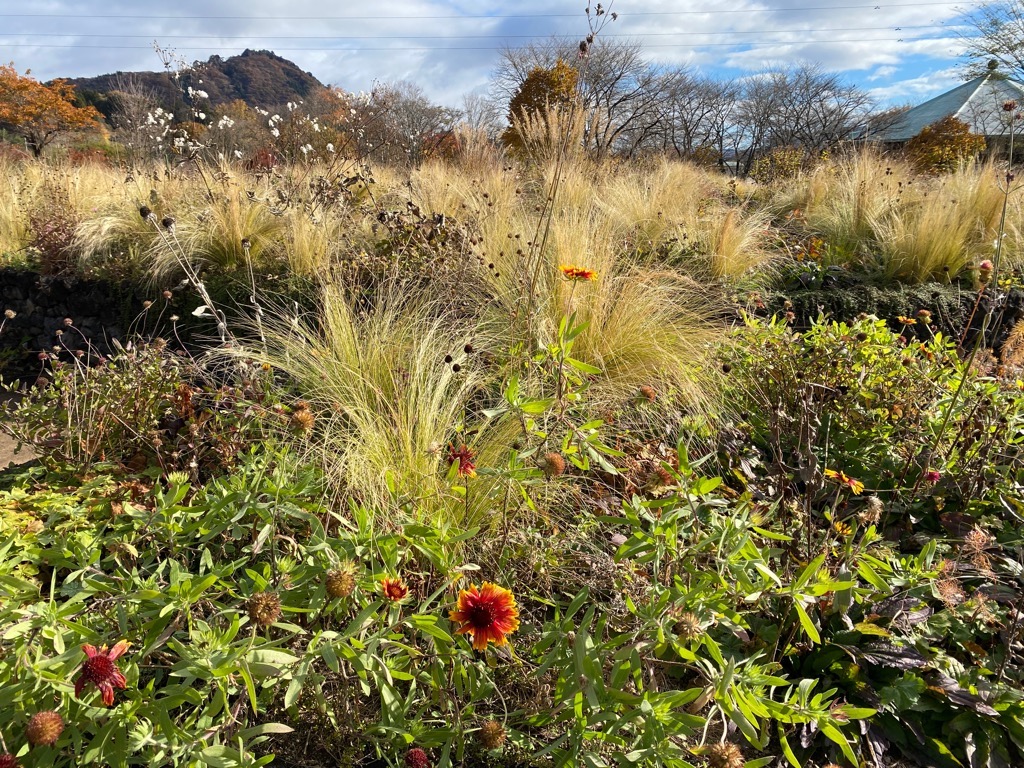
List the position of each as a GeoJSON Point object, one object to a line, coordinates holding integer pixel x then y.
{"type": "Point", "coordinates": [394, 588]}
{"type": "Point", "coordinates": [464, 455]}
{"type": "Point", "coordinates": [843, 479]}
{"type": "Point", "coordinates": [573, 272]}
{"type": "Point", "coordinates": [99, 668]}
{"type": "Point", "coordinates": [488, 613]}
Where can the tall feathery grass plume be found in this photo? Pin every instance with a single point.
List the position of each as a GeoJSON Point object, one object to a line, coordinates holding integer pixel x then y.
{"type": "Point", "coordinates": [387, 400]}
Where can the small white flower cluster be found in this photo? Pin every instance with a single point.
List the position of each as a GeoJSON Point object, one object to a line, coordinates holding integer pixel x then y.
{"type": "Point", "coordinates": [225, 122]}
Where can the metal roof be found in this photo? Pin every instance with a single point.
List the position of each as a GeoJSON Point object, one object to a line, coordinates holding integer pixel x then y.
{"type": "Point", "coordinates": [979, 103]}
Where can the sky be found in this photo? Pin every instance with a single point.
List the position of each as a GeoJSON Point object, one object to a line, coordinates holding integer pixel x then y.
{"type": "Point", "coordinates": [902, 52]}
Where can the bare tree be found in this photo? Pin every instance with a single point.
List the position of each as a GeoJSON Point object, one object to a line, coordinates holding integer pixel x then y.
{"type": "Point", "coordinates": [480, 113]}
{"type": "Point", "coordinates": [403, 119]}
{"type": "Point", "coordinates": [996, 33]}
{"type": "Point", "coordinates": [134, 102]}
{"type": "Point", "coordinates": [619, 91]}
{"type": "Point", "coordinates": [800, 106]}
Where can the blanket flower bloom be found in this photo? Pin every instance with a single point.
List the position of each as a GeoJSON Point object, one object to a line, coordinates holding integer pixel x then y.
{"type": "Point", "coordinates": [464, 456]}
{"type": "Point", "coordinates": [843, 479]}
{"type": "Point", "coordinates": [487, 614]}
{"type": "Point", "coordinates": [572, 272]}
{"type": "Point", "coordinates": [394, 589]}
{"type": "Point", "coordinates": [100, 670]}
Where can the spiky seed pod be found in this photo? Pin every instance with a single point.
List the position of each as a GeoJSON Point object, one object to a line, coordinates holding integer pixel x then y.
{"type": "Point", "coordinates": [552, 464]}
{"type": "Point", "coordinates": [303, 420]}
{"type": "Point", "coordinates": [648, 393]}
{"type": "Point", "coordinates": [341, 581]}
{"type": "Point", "coordinates": [44, 728]}
{"type": "Point", "coordinates": [264, 608]}
{"type": "Point", "coordinates": [688, 626]}
{"type": "Point", "coordinates": [659, 479]}
{"type": "Point", "coordinates": [417, 758]}
{"type": "Point", "coordinates": [725, 756]}
{"type": "Point", "coordinates": [492, 734]}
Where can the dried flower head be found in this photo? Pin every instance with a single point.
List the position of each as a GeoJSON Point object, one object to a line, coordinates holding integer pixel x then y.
{"type": "Point", "coordinates": [487, 614]}
{"type": "Point", "coordinates": [648, 393]}
{"type": "Point", "coordinates": [725, 756]}
{"type": "Point", "coordinates": [303, 420]}
{"type": "Point", "coordinates": [871, 513]}
{"type": "Point", "coordinates": [394, 589]}
{"type": "Point", "coordinates": [417, 758]}
{"type": "Point", "coordinates": [491, 734]}
{"type": "Point", "coordinates": [341, 582]}
{"type": "Point", "coordinates": [659, 480]}
{"type": "Point", "coordinates": [100, 669]}
{"type": "Point", "coordinates": [145, 212]}
{"type": "Point", "coordinates": [552, 464]}
{"type": "Point", "coordinates": [44, 728]}
{"type": "Point", "coordinates": [10, 314]}
{"type": "Point", "coordinates": [977, 541]}
{"type": "Point", "coordinates": [985, 271]}
{"type": "Point", "coordinates": [167, 222]}
{"type": "Point", "coordinates": [264, 608]}
{"type": "Point", "coordinates": [950, 592]}
{"type": "Point", "coordinates": [8, 760]}
{"type": "Point", "coordinates": [1009, 105]}
{"type": "Point", "coordinates": [688, 626]}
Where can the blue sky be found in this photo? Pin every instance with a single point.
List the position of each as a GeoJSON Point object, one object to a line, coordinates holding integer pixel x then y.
{"type": "Point", "coordinates": [902, 51]}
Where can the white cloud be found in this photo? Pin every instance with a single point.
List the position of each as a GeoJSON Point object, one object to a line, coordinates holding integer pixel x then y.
{"type": "Point", "coordinates": [436, 44]}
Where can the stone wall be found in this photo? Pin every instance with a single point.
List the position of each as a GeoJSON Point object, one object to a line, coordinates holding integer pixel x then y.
{"type": "Point", "coordinates": [71, 315]}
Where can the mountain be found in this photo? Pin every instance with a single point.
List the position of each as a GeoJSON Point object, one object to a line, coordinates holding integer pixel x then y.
{"type": "Point", "coordinates": [259, 78]}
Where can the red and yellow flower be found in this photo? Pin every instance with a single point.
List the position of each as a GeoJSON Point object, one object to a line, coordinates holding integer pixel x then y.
{"type": "Point", "coordinates": [487, 614]}
{"type": "Point", "coordinates": [842, 478]}
{"type": "Point", "coordinates": [464, 456]}
{"type": "Point", "coordinates": [572, 272]}
{"type": "Point", "coordinates": [394, 589]}
{"type": "Point", "coordinates": [100, 669]}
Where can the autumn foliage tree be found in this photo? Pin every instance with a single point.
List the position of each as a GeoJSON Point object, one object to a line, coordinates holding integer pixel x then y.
{"type": "Point", "coordinates": [38, 112]}
{"type": "Point", "coordinates": [544, 88]}
{"type": "Point", "coordinates": [944, 145]}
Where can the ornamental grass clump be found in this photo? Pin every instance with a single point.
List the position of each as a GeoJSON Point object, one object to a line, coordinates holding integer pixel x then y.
{"type": "Point", "coordinates": [374, 372]}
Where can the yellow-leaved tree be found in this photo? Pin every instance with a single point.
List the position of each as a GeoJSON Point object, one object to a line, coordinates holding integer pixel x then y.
{"type": "Point", "coordinates": [39, 112]}
{"type": "Point", "coordinates": [543, 89]}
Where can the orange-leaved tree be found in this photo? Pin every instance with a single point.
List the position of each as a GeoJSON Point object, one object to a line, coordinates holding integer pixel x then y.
{"type": "Point", "coordinates": [38, 112]}
{"type": "Point", "coordinates": [544, 88]}
{"type": "Point", "coordinates": [944, 145]}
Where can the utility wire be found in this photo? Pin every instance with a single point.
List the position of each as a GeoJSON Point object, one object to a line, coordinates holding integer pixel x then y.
{"type": "Point", "coordinates": [802, 41]}
{"type": "Point", "coordinates": [391, 17]}
{"type": "Point", "coordinates": [893, 28]}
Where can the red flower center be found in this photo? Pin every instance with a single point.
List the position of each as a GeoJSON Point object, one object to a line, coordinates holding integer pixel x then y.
{"type": "Point", "coordinates": [480, 616]}
{"type": "Point", "coordinates": [98, 669]}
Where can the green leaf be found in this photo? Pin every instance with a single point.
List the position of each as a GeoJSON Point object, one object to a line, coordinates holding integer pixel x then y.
{"type": "Point", "coordinates": [806, 623]}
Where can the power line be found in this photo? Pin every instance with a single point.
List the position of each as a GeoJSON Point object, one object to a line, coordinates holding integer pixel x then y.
{"type": "Point", "coordinates": [479, 37]}
{"type": "Point", "coordinates": [802, 41]}
{"type": "Point", "coordinates": [874, 6]}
